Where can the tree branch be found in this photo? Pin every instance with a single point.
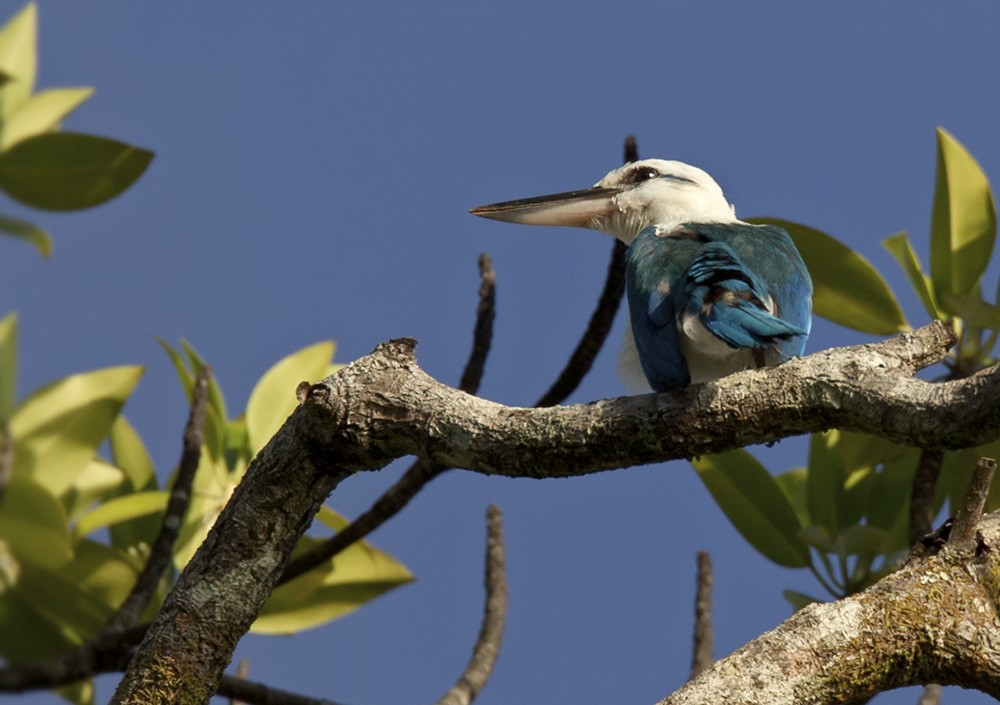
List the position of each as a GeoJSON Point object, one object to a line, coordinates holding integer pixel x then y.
{"type": "Point", "coordinates": [933, 620]}
{"type": "Point", "coordinates": [487, 648]}
{"type": "Point", "coordinates": [701, 657]}
{"type": "Point", "coordinates": [384, 406]}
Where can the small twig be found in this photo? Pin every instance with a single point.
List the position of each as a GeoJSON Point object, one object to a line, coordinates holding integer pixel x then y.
{"type": "Point", "coordinates": [922, 495]}
{"type": "Point", "coordinates": [599, 326]}
{"type": "Point", "coordinates": [482, 336]}
{"type": "Point", "coordinates": [248, 691]}
{"type": "Point", "coordinates": [180, 497]}
{"type": "Point", "coordinates": [701, 657]}
{"type": "Point", "coordinates": [384, 508]}
{"type": "Point", "coordinates": [242, 671]}
{"type": "Point", "coordinates": [931, 695]}
{"type": "Point", "coordinates": [421, 471]}
{"type": "Point", "coordinates": [963, 531]}
{"type": "Point", "coordinates": [631, 152]}
{"type": "Point", "coordinates": [487, 648]}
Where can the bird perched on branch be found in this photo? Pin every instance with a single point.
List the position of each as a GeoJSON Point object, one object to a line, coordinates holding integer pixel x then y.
{"type": "Point", "coordinates": [708, 294]}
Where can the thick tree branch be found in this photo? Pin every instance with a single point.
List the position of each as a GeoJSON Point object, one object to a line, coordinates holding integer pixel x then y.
{"type": "Point", "coordinates": [933, 620]}
{"type": "Point", "coordinates": [383, 406]}
{"type": "Point", "coordinates": [925, 622]}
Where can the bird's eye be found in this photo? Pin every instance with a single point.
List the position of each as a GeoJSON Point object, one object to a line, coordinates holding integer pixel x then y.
{"type": "Point", "coordinates": [643, 174]}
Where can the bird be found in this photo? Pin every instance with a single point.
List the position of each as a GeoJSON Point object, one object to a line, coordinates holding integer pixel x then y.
{"type": "Point", "coordinates": [708, 294]}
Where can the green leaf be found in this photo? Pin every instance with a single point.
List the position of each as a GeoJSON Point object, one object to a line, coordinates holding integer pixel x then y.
{"type": "Point", "coordinates": [33, 524]}
{"type": "Point", "coordinates": [974, 310]}
{"type": "Point", "coordinates": [213, 486]}
{"type": "Point", "coordinates": [273, 398]}
{"type": "Point", "coordinates": [889, 502]}
{"type": "Point", "coordinates": [97, 481]}
{"type": "Point", "coordinates": [847, 289]}
{"type": "Point", "coordinates": [32, 234]}
{"type": "Point", "coordinates": [120, 509]}
{"type": "Point", "coordinates": [40, 113]}
{"type": "Point", "coordinates": [793, 485]}
{"type": "Point", "coordinates": [861, 540]}
{"type": "Point", "coordinates": [963, 221]}
{"type": "Point", "coordinates": [8, 365]}
{"type": "Point", "coordinates": [65, 171]}
{"type": "Point", "coordinates": [825, 481]}
{"type": "Point", "coordinates": [798, 600]}
{"type": "Point", "coordinates": [106, 573]}
{"type": "Point", "coordinates": [129, 454]}
{"type": "Point", "coordinates": [899, 247]}
{"type": "Point", "coordinates": [755, 505]}
{"type": "Point", "coordinates": [18, 57]}
{"type": "Point", "coordinates": [59, 427]}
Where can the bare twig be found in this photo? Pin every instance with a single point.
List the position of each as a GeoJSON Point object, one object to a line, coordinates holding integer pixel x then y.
{"type": "Point", "coordinates": [180, 497]}
{"type": "Point", "coordinates": [922, 495]}
{"type": "Point", "coordinates": [421, 471]}
{"type": "Point", "coordinates": [703, 633]}
{"type": "Point", "coordinates": [384, 508]}
{"type": "Point", "coordinates": [963, 532]}
{"type": "Point", "coordinates": [593, 338]}
{"type": "Point", "coordinates": [251, 692]}
{"type": "Point", "coordinates": [631, 152]}
{"type": "Point", "coordinates": [487, 648]}
{"type": "Point", "coordinates": [931, 695]}
{"type": "Point", "coordinates": [599, 326]}
{"type": "Point", "coordinates": [482, 336]}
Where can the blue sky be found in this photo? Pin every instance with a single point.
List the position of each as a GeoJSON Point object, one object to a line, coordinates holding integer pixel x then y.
{"type": "Point", "coordinates": [315, 164]}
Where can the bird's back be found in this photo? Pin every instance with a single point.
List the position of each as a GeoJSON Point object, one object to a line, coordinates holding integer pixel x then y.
{"type": "Point", "coordinates": [709, 299]}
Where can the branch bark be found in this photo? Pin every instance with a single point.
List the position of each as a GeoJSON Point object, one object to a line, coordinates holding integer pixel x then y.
{"type": "Point", "coordinates": [384, 406]}
{"type": "Point", "coordinates": [933, 620]}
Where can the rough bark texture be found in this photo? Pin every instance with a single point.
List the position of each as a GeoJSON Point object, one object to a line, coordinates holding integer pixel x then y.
{"type": "Point", "coordinates": [935, 620]}
{"type": "Point", "coordinates": [384, 406]}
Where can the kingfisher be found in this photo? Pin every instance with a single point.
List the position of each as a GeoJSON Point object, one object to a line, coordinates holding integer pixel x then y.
{"type": "Point", "coordinates": [708, 294]}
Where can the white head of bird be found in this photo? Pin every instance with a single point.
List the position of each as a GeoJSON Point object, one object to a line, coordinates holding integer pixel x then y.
{"type": "Point", "coordinates": [627, 200]}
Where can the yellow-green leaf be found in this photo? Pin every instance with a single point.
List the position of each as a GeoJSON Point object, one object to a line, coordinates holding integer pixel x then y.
{"type": "Point", "coordinates": [974, 310]}
{"type": "Point", "coordinates": [40, 113]}
{"type": "Point", "coordinates": [32, 234]}
{"type": "Point", "coordinates": [899, 247]}
{"type": "Point", "coordinates": [98, 480]}
{"type": "Point", "coordinates": [119, 509]}
{"type": "Point", "coordinates": [847, 289]}
{"type": "Point", "coordinates": [129, 453]}
{"type": "Point", "coordinates": [58, 428]}
{"type": "Point", "coordinates": [63, 171]}
{"type": "Point", "coordinates": [33, 524]}
{"type": "Point", "coordinates": [755, 505]}
{"type": "Point", "coordinates": [273, 397]}
{"type": "Point", "coordinates": [213, 486]}
{"type": "Point", "coordinates": [963, 222]}
{"type": "Point", "coordinates": [18, 57]}
{"type": "Point", "coordinates": [8, 365]}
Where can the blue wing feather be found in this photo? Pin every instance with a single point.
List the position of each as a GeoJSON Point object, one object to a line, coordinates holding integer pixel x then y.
{"type": "Point", "coordinates": [729, 299]}
{"type": "Point", "coordinates": [746, 284]}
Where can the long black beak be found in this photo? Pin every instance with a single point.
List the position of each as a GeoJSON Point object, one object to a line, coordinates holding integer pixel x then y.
{"type": "Point", "coordinates": [574, 208]}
